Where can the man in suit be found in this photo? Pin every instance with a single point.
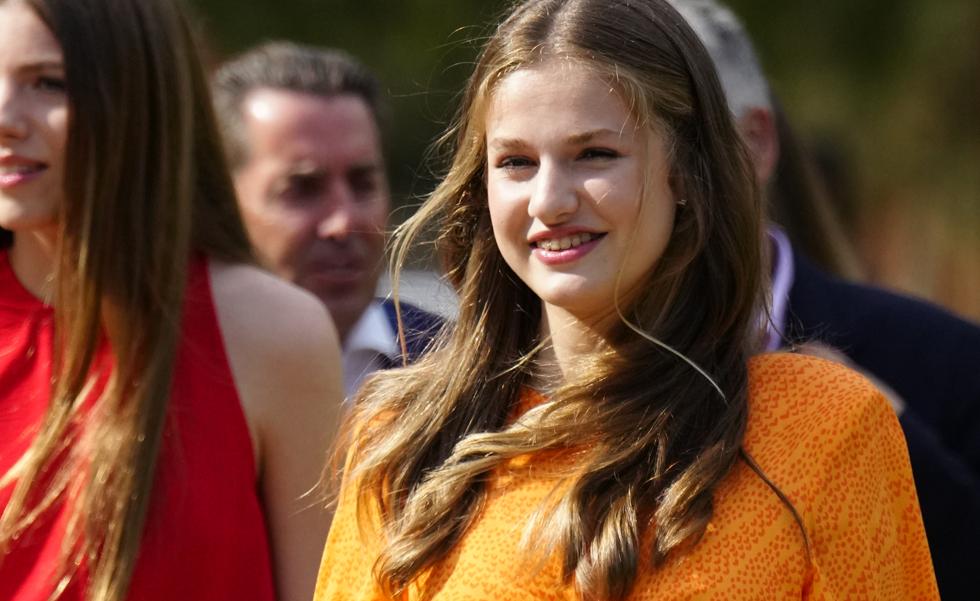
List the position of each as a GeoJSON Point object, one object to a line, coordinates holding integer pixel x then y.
{"type": "Point", "coordinates": [302, 131]}
{"type": "Point", "coordinates": [926, 359]}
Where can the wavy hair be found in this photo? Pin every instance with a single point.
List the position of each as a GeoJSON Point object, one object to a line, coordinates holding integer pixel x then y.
{"type": "Point", "coordinates": [662, 407]}
{"type": "Point", "coordinates": [146, 185]}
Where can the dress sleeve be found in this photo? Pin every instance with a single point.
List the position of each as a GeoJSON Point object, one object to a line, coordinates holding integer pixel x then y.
{"type": "Point", "coordinates": [866, 534]}
{"type": "Point", "coordinates": [346, 570]}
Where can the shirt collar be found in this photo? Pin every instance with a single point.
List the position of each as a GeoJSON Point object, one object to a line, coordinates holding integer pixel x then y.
{"type": "Point", "coordinates": [782, 282]}
{"type": "Point", "coordinates": [372, 332]}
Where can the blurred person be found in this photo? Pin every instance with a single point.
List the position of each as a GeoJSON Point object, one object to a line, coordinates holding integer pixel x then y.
{"type": "Point", "coordinates": [799, 199]}
{"type": "Point", "coordinates": [836, 171]}
{"type": "Point", "coordinates": [301, 126]}
{"type": "Point", "coordinates": [162, 400]}
{"type": "Point", "coordinates": [598, 422]}
{"type": "Point", "coordinates": [924, 356]}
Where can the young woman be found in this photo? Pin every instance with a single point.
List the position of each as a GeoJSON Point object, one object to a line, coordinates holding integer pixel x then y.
{"type": "Point", "coordinates": [163, 404]}
{"type": "Point", "coordinates": [596, 424]}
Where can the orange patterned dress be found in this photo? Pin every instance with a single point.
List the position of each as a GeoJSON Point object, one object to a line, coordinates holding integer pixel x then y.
{"type": "Point", "coordinates": [820, 432]}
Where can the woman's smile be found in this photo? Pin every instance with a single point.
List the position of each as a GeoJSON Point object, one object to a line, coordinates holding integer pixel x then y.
{"type": "Point", "coordinates": [557, 248]}
{"type": "Point", "coordinates": [15, 170]}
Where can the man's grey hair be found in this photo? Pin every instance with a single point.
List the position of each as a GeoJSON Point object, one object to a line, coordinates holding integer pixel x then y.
{"type": "Point", "coordinates": [731, 50]}
{"type": "Point", "coordinates": [281, 65]}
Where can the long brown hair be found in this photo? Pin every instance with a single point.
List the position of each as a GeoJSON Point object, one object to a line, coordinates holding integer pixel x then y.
{"type": "Point", "coordinates": [145, 186]}
{"type": "Point", "coordinates": [661, 435]}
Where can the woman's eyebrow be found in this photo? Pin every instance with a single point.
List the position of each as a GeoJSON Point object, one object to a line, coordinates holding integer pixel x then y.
{"type": "Point", "coordinates": [588, 136]}
{"type": "Point", "coordinates": [43, 64]}
{"type": "Point", "coordinates": [576, 138]}
{"type": "Point", "coordinates": [506, 144]}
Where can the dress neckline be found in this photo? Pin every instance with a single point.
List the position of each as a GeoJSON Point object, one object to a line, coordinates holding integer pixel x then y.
{"type": "Point", "coordinates": [14, 293]}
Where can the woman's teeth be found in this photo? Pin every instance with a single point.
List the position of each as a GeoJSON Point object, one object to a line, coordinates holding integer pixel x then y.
{"type": "Point", "coordinates": [18, 169]}
{"type": "Point", "coordinates": [556, 244]}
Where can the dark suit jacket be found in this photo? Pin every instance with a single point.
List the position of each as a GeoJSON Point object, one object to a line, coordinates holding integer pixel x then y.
{"type": "Point", "coordinates": [932, 360]}
{"type": "Point", "coordinates": [420, 327]}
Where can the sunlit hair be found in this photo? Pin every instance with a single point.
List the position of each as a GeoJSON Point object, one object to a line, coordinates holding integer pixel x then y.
{"type": "Point", "coordinates": [145, 186]}
{"type": "Point", "coordinates": [651, 434]}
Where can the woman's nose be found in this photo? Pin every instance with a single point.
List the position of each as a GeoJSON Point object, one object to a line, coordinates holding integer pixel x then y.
{"type": "Point", "coordinates": [12, 122]}
{"type": "Point", "coordinates": [554, 196]}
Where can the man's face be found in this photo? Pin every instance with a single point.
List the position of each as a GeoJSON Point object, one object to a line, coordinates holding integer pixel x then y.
{"type": "Point", "coordinates": [313, 195]}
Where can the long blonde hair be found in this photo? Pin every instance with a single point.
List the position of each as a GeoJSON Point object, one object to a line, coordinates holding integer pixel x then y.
{"type": "Point", "coordinates": [659, 435]}
{"type": "Point", "coordinates": [145, 186]}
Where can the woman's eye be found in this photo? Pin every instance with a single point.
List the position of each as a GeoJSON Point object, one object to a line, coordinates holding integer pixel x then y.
{"type": "Point", "coordinates": [598, 153]}
{"type": "Point", "coordinates": [514, 162]}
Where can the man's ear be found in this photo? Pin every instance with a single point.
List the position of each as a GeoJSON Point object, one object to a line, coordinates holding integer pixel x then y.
{"type": "Point", "coordinates": [758, 128]}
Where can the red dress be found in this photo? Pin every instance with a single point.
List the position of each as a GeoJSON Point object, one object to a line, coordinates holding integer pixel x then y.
{"type": "Point", "coordinates": [205, 536]}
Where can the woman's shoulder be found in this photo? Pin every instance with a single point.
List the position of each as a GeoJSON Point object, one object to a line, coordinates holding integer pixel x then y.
{"type": "Point", "coordinates": [787, 387]}
{"type": "Point", "coordinates": [811, 407]}
{"type": "Point", "coordinates": [811, 420]}
{"type": "Point", "coordinates": [268, 306]}
{"type": "Point", "coordinates": [831, 442]}
{"type": "Point", "coordinates": [278, 337]}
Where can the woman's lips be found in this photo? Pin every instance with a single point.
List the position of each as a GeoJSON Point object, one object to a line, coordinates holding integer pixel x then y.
{"type": "Point", "coordinates": [17, 172]}
{"type": "Point", "coordinates": [565, 249]}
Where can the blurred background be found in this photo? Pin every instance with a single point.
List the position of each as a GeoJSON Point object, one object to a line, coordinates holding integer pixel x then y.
{"type": "Point", "coordinates": [885, 94]}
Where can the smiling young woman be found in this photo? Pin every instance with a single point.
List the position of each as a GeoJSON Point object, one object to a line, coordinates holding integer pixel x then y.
{"type": "Point", "coordinates": [599, 423]}
{"type": "Point", "coordinates": [163, 404]}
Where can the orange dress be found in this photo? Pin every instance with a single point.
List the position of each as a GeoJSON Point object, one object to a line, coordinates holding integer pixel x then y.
{"type": "Point", "coordinates": [820, 432]}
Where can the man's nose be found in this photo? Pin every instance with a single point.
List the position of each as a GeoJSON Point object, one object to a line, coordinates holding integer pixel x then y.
{"type": "Point", "coordinates": [340, 212]}
{"type": "Point", "coordinates": [554, 196]}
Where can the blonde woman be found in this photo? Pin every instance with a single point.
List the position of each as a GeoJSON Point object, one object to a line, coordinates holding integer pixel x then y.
{"type": "Point", "coordinates": [598, 424]}
{"type": "Point", "coordinates": [163, 404]}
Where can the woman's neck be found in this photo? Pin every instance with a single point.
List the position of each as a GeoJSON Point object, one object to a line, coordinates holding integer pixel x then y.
{"type": "Point", "coordinates": [570, 341]}
{"type": "Point", "coordinates": [32, 257]}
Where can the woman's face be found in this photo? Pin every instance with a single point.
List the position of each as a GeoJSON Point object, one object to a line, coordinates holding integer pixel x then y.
{"type": "Point", "coordinates": [33, 120]}
{"type": "Point", "coordinates": [567, 165]}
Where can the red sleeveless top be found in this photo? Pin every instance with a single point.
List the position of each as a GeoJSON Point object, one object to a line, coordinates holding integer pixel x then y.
{"type": "Point", "coordinates": [205, 536]}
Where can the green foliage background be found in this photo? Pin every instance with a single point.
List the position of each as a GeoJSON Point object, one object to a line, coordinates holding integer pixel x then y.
{"type": "Point", "coordinates": [894, 85]}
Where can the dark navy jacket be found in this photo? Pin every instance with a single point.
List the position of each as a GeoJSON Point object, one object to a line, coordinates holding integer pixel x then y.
{"type": "Point", "coordinates": [420, 328]}
{"type": "Point", "coordinates": [931, 358]}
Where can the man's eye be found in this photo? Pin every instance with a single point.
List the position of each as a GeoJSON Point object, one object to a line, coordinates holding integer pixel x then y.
{"type": "Point", "coordinates": [364, 185]}
{"type": "Point", "coordinates": [50, 84]}
{"type": "Point", "coordinates": [301, 187]}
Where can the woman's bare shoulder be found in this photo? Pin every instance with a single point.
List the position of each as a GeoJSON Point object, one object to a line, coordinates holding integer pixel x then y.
{"type": "Point", "coordinates": [278, 336]}
{"type": "Point", "coordinates": [268, 307]}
